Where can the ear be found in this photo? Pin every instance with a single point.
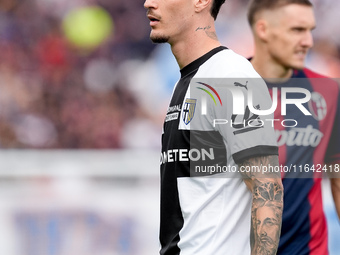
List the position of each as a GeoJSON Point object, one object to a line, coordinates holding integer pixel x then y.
{"type": "Point", "coordinates": [261, 29]}
{"type": "Point", "coordinates": [202, 4]}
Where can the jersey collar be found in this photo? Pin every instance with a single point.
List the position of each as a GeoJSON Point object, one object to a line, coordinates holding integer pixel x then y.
{"type": "Point", "coordinates": [193, 66]}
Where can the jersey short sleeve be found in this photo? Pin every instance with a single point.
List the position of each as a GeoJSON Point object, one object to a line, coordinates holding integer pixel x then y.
{"type": "Point", "coordinates": [238, 105]}
{"type": "Point", "coordinates": [249, 130]}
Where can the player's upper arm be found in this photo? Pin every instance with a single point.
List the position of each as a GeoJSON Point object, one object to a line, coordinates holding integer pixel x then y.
{"type": "Point", "coordinates": [260, 170]}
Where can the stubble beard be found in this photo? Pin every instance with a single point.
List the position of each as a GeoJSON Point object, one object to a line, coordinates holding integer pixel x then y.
{"type": "Point", "coordinates": [159, 38]}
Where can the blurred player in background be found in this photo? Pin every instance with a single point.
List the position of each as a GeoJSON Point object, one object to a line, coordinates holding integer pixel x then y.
{"type": "Point", "coordinates": [282, 34]}
{"type": "Point", "coordinates": [203, 215]}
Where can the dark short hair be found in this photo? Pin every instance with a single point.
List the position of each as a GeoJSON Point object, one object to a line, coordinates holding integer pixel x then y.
{"type": "Point", "coordinates": [255, 6]}
{"type": "Point", "coordinates": [216, 6]}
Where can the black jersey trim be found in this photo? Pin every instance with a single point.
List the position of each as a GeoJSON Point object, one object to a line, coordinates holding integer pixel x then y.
{"type": "Point", "coordinates": [198, 62]}
{"type": "Point", "coordinates": [261, 150]}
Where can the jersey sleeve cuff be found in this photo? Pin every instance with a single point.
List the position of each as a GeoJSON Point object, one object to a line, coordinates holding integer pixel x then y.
{"type": "Point", "coordinates": [256, 151]}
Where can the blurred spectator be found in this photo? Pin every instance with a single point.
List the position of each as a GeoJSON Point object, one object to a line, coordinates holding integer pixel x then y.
{"type": "Point", "coordinates": [55, 95]}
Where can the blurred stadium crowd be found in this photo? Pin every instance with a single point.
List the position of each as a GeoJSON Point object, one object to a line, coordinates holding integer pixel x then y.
{"type": "Point", "coordinates": [56, 95]}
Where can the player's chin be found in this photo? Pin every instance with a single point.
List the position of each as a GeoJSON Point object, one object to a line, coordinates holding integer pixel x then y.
{"type": "Point", "coordinates": [298, 65]}
{"type": "Point", "coordinates": [298, 62]}
{"type": "Point", "coordinates": [158, 38]}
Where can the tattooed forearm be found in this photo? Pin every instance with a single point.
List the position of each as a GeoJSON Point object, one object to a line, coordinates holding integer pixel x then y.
{"type": "Point", "coordinates": [267, 205]}
{"type": "Point", "coordinates": [211, 34]}
{"type": "Point", "coordinates": [256, 165]}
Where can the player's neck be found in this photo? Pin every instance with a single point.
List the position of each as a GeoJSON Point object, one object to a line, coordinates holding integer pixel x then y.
{"type": "Point", "coordinates": [268, 68]}
{"type": "Point", "coordinates": [195, 44]}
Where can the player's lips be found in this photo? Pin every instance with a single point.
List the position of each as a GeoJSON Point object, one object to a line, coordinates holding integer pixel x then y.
{"type": "Point", "coordinates": [154, 19]}
{"type": "Point", "coordinates": [301, 53]}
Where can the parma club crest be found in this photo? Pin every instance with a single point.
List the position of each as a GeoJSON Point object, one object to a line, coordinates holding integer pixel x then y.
{"type": "Point", "coordinates": [188, 110]}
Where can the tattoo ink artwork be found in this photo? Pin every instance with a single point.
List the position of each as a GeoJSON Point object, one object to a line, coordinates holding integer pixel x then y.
{"type": "Point", "coordinates": [266, 209]}
{"type": "Point", "coordinates": [211, 34]}
{"type": "Point", "coordinates": [203, 28]}
{"type": "Point", "coordinates": [266, 217]}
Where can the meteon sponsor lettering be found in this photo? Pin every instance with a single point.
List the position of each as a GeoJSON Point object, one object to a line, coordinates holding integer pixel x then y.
{"type": "Point", "coordinates": [186, 155]}
{"type": "Point", "coordinates": [307, 136]}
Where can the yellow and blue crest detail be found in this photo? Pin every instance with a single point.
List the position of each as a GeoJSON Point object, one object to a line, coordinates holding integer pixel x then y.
{"type": "Point", "coordinates": [188, 110]}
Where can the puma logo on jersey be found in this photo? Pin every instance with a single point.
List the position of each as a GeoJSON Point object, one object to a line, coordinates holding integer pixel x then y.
{"type": "Point", "coordinates": [237, 84]}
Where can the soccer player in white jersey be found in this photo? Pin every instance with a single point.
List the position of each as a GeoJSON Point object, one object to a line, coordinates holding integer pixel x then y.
{"type": "Point", "coordinates": [202, 215]}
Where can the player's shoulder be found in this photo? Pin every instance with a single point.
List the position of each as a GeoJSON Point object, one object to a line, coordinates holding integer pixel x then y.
{"type": "Point", "coordinates": [312, 74]}
{"type": "Point", "coordinates": [228, 64]}
{"type": "Point", "coordinates": [321, 80]}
